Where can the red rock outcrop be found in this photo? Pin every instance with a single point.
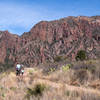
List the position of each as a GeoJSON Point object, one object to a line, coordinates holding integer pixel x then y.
{"type": "Point", "coordinates": [46, 40]}
{"type": "Point", "coordinates": [9, 44]}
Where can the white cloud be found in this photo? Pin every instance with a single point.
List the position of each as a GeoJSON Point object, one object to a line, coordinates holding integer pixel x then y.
{"type": "Point", "coordinates": [17, 15]}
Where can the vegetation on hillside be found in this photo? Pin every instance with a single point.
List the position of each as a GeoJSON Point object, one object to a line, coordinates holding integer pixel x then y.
{"type": "Point", "coordinates": [81, 55]}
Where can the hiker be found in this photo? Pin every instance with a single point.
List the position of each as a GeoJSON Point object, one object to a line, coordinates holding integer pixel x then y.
{"type": "Point", "coordinates": [18, 69]}
{"type": "Point", "coordinates": [22, 70]}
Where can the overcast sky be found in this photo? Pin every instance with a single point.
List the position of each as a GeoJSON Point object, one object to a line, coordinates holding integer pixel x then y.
{"type": "Point", "coordinates": [19, 16]}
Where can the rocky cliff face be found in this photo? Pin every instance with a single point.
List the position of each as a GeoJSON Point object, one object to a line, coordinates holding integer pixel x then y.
{"type": "Point", "coordinates": [47, 40]}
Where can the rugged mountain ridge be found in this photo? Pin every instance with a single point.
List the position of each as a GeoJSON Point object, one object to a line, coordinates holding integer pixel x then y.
{"type": "Point", "coordinates": [47, 40]}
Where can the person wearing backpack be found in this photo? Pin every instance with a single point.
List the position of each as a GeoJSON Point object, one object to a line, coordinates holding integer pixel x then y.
{"type": "Point", "coordinates": [22, 70]}
{"type": "Point", "coordinates": [18, 69]}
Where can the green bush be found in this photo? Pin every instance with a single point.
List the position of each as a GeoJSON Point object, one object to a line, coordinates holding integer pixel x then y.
{"type": "Point", "coordinates": [81, 55]}
{"type": "Point", "coordinates": [66, 67]}
{"type": "Point", "coordinates": [36, 91]}
{"type": "Point", "coordinates": [52, 70]}
{"type": "Point", "coordinates": [3, 95]}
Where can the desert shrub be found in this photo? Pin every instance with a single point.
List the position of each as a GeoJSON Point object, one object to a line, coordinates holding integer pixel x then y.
{"type": "Point", "coordinates": [81, 75]}
{"type": "Point", "coordinates": [58, 59]}
{"type": "Point", "coordinates": [39, 88]}
{"type": "Point", "coordinates": [13, 88]}
{"type": "Point", "coordinates": [31, 71]}
{"type": "Point", "coordinates": [3, 95]}
{"type": "Point", "coordinates": [66, 67]}
{"type": "Point", "coordinates": [36, 91]}
{"type": "Point", "coordinates": [1, 88]}
{"type": "Point", "coordinates": [67, 93]}
{"type": "Point", "coordinates": [50, 68]}
{"type": "Point", "coordinates": [81, 55]}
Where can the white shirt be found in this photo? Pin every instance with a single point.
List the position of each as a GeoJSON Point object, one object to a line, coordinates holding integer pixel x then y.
{"type": "Point", "coordinates": [18, 66]}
